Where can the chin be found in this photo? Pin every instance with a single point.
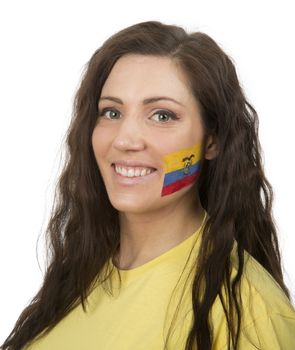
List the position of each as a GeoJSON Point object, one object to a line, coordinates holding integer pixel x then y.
{"type": "Point", "coordinates": [130, 205]}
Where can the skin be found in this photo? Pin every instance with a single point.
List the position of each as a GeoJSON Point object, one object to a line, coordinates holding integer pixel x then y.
{"type": "Point", "coordinates": [150, 224]}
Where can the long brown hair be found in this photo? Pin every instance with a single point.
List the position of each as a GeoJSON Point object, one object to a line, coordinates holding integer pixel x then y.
{"type": "Point", "coordinates": [83, 231]}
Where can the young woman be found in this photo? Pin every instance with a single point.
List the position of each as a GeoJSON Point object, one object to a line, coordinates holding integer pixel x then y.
{"type": "Point", "coordinates": [162, 235]}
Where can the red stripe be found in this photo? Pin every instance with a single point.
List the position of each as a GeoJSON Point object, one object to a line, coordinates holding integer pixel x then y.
{"type": "Point", "coordinates": [175, 186]}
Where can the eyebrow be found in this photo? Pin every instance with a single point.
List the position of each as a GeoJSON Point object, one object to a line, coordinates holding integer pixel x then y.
{"type": "Point", "coordinates": [145, 101]}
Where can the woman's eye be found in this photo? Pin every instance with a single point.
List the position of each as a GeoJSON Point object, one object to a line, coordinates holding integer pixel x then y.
{"type": "Point", "coordinates": [112, 110]}
{"type": "Point", "coordinates": [165, 116]}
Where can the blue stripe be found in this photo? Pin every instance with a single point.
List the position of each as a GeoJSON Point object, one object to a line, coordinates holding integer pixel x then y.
{"type": "Point", "coordinates": [177, 175]}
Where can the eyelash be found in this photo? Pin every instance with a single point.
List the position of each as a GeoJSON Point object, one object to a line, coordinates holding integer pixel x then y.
{"type": "Point", "coordinates": [169, 114]}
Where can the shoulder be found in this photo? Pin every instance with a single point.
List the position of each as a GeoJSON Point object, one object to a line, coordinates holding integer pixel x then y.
{"type": "Point", "coordinates": [259, 290]}
{"type": "Point", "coordinates": [268, 317]}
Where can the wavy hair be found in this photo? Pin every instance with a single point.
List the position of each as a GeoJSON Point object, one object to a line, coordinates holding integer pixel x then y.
{"type": "Point", "coordinates": [83, 231]}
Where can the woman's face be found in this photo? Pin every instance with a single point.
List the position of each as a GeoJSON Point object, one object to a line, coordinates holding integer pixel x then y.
{"type": "Point", "coordinates": [130, 129]}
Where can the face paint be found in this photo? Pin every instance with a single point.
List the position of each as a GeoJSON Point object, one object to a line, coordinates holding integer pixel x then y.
{"type": "Point", "coordinates": [181, 169]}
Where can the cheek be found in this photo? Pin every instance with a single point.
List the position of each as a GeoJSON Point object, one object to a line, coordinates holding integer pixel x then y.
{"type": "Point", "coordinates": [181, 168]}
{"type": "Point", "coordinates": [98, 148]}
{"type": "Point", "coordinates": [99, 142]}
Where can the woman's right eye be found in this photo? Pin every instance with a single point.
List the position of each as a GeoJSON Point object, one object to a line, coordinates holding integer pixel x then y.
{"type": "Point", "coordinates": [112, 110]}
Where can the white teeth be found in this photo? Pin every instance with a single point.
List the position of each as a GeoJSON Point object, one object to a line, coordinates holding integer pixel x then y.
{"type": "Point", "coordinates": [131, 172]}
{"type": "Point", "coordinates": [145, 172]}
{"type": "Point", "coordinates": [124, 172]}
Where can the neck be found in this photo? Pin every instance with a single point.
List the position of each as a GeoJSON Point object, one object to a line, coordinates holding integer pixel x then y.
{"type": "Point", "coordinates": [145, 236]}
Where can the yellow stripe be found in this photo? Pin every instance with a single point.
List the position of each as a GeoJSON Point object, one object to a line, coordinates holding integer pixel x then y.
{"type": "Point", "coordinates": [174, 161]}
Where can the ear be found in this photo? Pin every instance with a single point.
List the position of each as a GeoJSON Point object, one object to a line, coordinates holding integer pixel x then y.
{"type": "Point", "coordinates": [211, 147]}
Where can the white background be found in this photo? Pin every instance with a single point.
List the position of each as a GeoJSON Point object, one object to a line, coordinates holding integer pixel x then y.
{"type": "Point", "coordinates": [44, 47]}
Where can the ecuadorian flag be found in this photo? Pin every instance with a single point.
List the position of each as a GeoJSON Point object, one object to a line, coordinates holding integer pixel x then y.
{"type": "Point", "coordinates": [181, 169]}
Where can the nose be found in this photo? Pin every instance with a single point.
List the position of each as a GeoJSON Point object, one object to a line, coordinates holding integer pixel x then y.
{"type": "Point", "coordinates": [129, 135]}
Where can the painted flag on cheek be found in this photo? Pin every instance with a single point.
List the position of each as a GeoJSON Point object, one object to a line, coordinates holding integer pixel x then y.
{"type": "Point", "coordinates": [181, 169]}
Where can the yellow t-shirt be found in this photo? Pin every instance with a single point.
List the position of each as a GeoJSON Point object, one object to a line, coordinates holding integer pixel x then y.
{"type": "Point", "coordinates": [138, 316]}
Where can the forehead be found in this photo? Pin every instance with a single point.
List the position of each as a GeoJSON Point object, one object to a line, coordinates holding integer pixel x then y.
{"type": "Point", "coordinates": [141, 75]}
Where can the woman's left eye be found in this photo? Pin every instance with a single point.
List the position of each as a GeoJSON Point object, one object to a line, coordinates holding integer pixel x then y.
{"type": "Point", "coordinates": [168, 115]}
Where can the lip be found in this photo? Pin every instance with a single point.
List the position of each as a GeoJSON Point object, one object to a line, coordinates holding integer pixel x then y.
{"type": "Point", "coordinates": [129, 181]}
{"type": "Point", "coordinates": [134, 163]}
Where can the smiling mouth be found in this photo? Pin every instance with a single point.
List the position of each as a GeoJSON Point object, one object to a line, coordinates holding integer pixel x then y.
{"type": "Point", "coordinates": [133, 172]}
